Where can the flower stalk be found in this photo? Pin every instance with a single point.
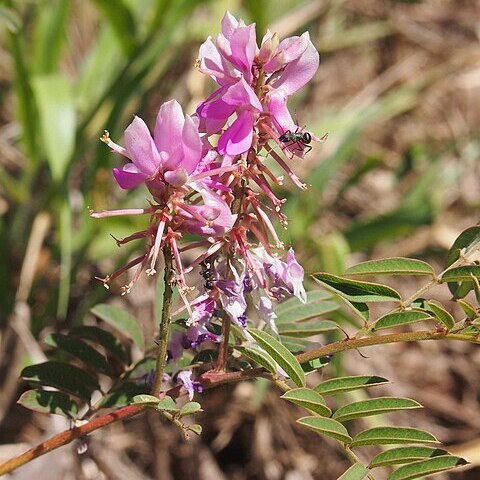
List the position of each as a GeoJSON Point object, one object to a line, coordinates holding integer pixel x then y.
{"type": "Point", "coordinates": [165, 321]}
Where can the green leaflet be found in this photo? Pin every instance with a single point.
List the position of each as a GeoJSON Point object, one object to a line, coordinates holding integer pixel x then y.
{"type": "Point", "coordinates": [309, 399]}
{"type": "Point", "coordinates": [392, 266]}
{"type": "Point", "coordinates": [391, 320]}
{"type": "Point", "coordinates": [392, 435]}
{"type": "Point", "coordinates": [400, 455]}
{"type": "Point", "coordinates": [326, 426]}
{"type": "Point", "coordinates": [357, 291]}
{"type": "Point", "coordinates": [121, 320]}
{"type": "Point", "coordinates": [427, 467]}
{"type": "Point", "coordinates": [374, 406]}
{"type": "Point", "coordinates": [355, 472]}
{"type": "Point", "coordinates": [49, 402]}
{"type": "Point", "coordinates": [346, 384]}
{"type": "Point", "coordinates": [281, 355]}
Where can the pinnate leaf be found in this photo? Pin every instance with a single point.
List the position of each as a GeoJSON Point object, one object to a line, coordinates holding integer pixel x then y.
{"type": "Point", "coordinates": [281, 355]}
{"type": "Point", "coordinates": [427, 467]}
{"type": "Point", "coordinates": [355, 472]}
{"type": "Point", "coordinates": [123, 395]}
{"type": "Point", "coordinates": [392, 435]}
{"type": "Point", "coordinates": [49, 402]}
{"type": "Point", "coordinates": [326, 426]}
{"type": "Point", "coordinates": [374, 406]}
{"type": "Point", "coordinates": [309, 399]}
{"type": "Point", "coordinates": [79, 349]}
{"type": "Point", "coordinates": [103, 338]}
{"type": "Point", "coordinates": [391, 266]}
{"type": "Point", "coordinates": [65, 377]}
{"type": "Point", "coordinates": [397, 319]}
{"type": "Point", "coordinates": [121, 320]}
{"type": "Point", "coordinates": [167, 404]}
{"type": "Point", "coordinates": [357, 291]}
{"type": "Point", "coordinates": [347, 384]}
{"type": "Point", "coordinates": [400, 455]}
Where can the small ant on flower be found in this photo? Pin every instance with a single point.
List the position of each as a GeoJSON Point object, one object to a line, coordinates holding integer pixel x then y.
{"type": "Point", "coordinates": [300, 139]}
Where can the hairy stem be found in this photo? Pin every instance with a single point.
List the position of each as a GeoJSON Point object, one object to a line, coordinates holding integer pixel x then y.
{"type": "Point", "coordinates": [164, 323]}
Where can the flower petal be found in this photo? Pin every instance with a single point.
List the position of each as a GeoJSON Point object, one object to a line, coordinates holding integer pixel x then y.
{"type": "Point", "coordinates": [191, 144]}
{"type": "Point", "coordinates": [300, 71]}
{"type": "Point", "coordinates": [238, 137]}
{"type": "Point", "coordinates": [168, 131]}
{"type": "Point", "coordinates": [129, 176]}
{"type": "Point", "coordinates": [279, 112]}
{"type": "Point", "coordinates": [242, 95]}
{"type": "Point", "coordinates": [141, 148]}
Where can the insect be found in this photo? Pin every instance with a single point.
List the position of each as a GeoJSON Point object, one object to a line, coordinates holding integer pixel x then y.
{"type": "Point", "coordinates": [300, 139]}
{"type": "Point", "coordinates": [206, 273]}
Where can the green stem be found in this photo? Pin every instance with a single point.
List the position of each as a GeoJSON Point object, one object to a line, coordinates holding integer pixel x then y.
{"type": "Point", "coordinates": [420, 291]}
{"type": "Point", "coordinates": [164, 323]}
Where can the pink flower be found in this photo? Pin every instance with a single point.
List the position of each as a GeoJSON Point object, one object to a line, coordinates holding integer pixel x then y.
{"type": "Point", "coordinates": [291, 65]}
{"type": "Point", "coordinates": [231, 56]}
{"type": "Point", "coordinates": [166, 159]}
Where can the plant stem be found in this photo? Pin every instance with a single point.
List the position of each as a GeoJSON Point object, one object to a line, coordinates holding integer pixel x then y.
{"type": "Point", "coordinates": [354, 343]}
{"type": "Point", "coordinates": [164, 323]}
{"type": "Point", "coordinates": [419, 292]}
{"type": "Point", "coordinates": [213, 379]}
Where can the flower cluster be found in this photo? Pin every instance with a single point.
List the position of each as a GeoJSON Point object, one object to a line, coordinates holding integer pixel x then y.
{"type": "Point", "coordinates": [208, 177]}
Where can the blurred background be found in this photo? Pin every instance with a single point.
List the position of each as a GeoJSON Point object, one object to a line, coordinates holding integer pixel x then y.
{"type": "Point", "coordinates": [398, 94]}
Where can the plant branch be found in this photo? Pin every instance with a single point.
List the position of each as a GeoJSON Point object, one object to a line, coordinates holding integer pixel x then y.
{"type": "Point", "coordinates": [212, 379]}
{"type": "Point", "coordinates": [164, 323]}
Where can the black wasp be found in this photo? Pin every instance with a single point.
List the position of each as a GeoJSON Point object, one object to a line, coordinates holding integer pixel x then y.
{"type": "Point", "coordinates": [207, 274]}
{"type": "Point", "coordinates": [300, 139]}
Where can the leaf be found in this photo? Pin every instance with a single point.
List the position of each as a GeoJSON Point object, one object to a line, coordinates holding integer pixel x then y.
{"type": "Point", "coordinates": [121, 320]}
{"type": "Point", "coordinates": [405, 455]}
{"type": "Point", "coordinates": [316, 364]}
{"type": "Point", "coordinates": [391, 320]}
{"type": "Point", "coordinates": [167, 404]}
{"type": "Point", "coordinates": [195, 428]}
{"type": "Point", "coordinates": [190, 408]}
{"type": "Point", "coordinates": [306, 329]}
{"type": "Point", "coordinates": [326, 426]}
{"type": "Point", "coordinates": [295, 344]}
{"type": "Point", "coordinates": [309, 399]}
{"type": "Point", "coordinates": [305, 312]}
{"type": "Point", "coordinates": [469, 310]}
{"type": "Point", "coordinates": [144, 399]}
{"type": "Point", "coordinates": [55, 102]}
{"type": "Point", "coordinates": [49, 402]}
{"type": "Point", "coordinates": [123, 395]}
{"type": "Point", "coordinates": [427, 467]}
{"type": "Point", "coordinates": [392, 435]}
{"type": "Point", "coordinates": [355, 472]}
{"type": "Point", "coordinates": [468, 241]}
{"type": "Point", "coordinates": [441, 314]}
{"type": "Point", "coordinates": [374, 406]}
{"type": "Point", "coordinates": [459, 274]}
{"type": "Point", "coordinates": [392, 266]}
{"type": "Point", "coordinates": [103, 338]}
{"type": "Point", "coordinates": [257, 354]}
{"type": "Point", "coordinates": [356, 291]}
{"type": "Point", "coordinates": [122, 22]}
{"type": "Point", "coordinates": [63, 376]}
{"type": "Point", "coordinates": [80, 350]}
{"type": "Point", "coordinates": [347, 384]}
{"type": "Point", "coordinates": [281, 355]}
{"type": "Point", "coordinates": [313, 296]}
